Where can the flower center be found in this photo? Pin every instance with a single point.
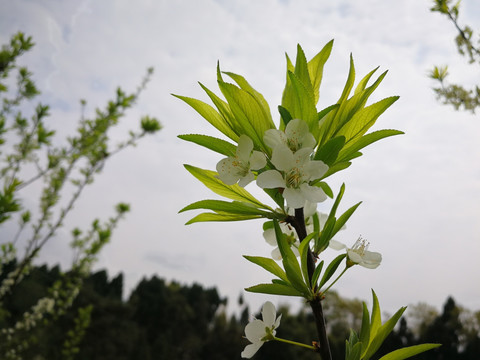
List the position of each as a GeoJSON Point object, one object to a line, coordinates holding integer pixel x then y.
{"type": "Point", "coordinates": [360, 246]}
{"type": "Point", "coordinates": [242, 168]}
{"type": "Point", "coordinates": [293, 178]}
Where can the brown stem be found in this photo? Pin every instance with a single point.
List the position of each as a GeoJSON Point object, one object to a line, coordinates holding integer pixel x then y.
{"type": "Point", "coordinates": [298, 222]}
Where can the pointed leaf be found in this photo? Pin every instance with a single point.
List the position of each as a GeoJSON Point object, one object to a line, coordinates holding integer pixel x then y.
{"type": "Point", "coordinates": [234, 192]}
{"type": "Point", "coordinates": [268, 264]}
{"type": "Point", "coordinates": [315, 68]}
{"type": "Point", "coordinates": [344, 218]}
{"type": "Point", "coordinates": [408, 352]}
{"type": "Point", "coordinates": [331, 268]}
{"type": "Point", "coordinates": [274, 289]}
{"type": "Point", "coordinates": [204, 217]}
{"type": "Point", "coordinates": [364, 141]}
{"type": "Point", "coordinates": [218, 145]}
{"type": "Point", "coordinates": [235, 207]}
{"type": "Point", "coordinates": [382, 333]}
{"type": "Point", "coordinates": [211, 115]}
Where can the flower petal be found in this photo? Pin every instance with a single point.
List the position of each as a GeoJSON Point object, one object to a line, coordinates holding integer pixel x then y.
{"type": "Point", "coordinates": [247, 179]}
{"type": "Point", "coordinates": [257, 160]}
{"type": "Point", "coordinates": [269, 236]}
{"type": "Point", "coordinates": [283, 158]}
{"type": "Point", "coordinates": [270, 179]}
{"type": "Point", "coordinates": [268, 314]}
{"type": "Point", "coordinates": [276, 254]}
{"type": "Point", "coordinates": [294, 198]}
{"type": "Point", "coordinates": [312, 193]}
{"type": "Point", "coordinates": [251, 350]}
{"type": "Point", "coordinates": [255, 330]}
{"type": "Point", "coordinates": [336, 245]}
{"type": "Point", "coordinates": [274, 137]}
{"type": "Point", "coordinates": [316, 169]}
{"type": "Point", "coordinates": [245, 147]}
{"type": "Point", "coordinates": [227, 171]}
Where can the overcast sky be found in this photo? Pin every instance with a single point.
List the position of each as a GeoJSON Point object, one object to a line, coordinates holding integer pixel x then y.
{"type": "Point", "coordinates": [420, 191]}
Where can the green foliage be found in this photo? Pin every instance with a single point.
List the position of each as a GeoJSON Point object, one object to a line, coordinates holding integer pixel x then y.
{"type": "Point", "coordinates": [456, 94]}
{"type": "Point", "coordinates": [373, 333]}
{"type": "Point", "coordinates": [60, 170]}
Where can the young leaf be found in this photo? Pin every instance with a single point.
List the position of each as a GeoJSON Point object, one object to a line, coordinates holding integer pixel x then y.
{"type": "Point", "coordinates": [365, 330]}
{"type": "Point", "coordinates": [315, 68]}
{"type": "Point", "coordinates": [234, 192]}
{"type": "Point", "coordinates": [364, 141]}
{"type": "Point", "coordinates": [290, 262]}
{"type": "Point", "coordinates": [328, 152]}
{"type": "Point", "coordinates": [344, 218]}
{"type": "Point", "coordinates": [408, 352]}
{"type": "Point", "coordinates": [218, 145]}
{"type": "Point", "coordinates": [303, 250]}
{"type": "Point", "coordinates": [235, 207]}
{"type": "Point", "coordinates": [268, 264]}
{"type": "Point", "coordinates": [382, 334]}
{"type": "Point", "coordinates": [274, 289]}
{"type": "Point", "coordinates": [204, 217]}
{"type": "Point", "coordinates": [211, 115]}
{"type": "Point", "coordinates": [331, 268]}
{"type": "Point", "coordinates": [317, 272]}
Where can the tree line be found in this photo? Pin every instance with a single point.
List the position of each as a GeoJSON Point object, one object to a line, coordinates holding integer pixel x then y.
{"type": "Point", "coordinates": [163, 319]}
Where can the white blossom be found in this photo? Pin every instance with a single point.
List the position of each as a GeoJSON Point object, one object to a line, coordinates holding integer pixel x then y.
{"type": "Point", "coordinates": [260, 331]}
{"type": "Point", "coordinates": [238, 168]}
{"type": "Point", "coordinates": [293, 173]}
{"type": "Point", "coordinates": [296, 136]}
{"type": "Point", "coordinates": [359, 254]}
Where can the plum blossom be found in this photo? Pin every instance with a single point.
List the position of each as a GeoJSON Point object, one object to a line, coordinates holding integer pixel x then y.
{"type": "Point", "coordinates": [296, 136]}
{"type": "Point", "coordinates": [238, 168]}
{"type": "Point", "coordinates": [358, 253]}
{"type": "Point", "coordinates": [260, 331]}
{"type": "Point", "coordinates": [293, 172]}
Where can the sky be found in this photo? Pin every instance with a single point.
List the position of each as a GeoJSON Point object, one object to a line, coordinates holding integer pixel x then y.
{"type": "Point", "coordinates": [420, 191]}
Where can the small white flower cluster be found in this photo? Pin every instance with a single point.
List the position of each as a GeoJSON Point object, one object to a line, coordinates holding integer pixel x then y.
{"type": "Point", "coordinates": [292, 158]}
{"type": "Point", "coordinates": [261, 331]}
{"type": "Point", "coordinates": [43, 307]}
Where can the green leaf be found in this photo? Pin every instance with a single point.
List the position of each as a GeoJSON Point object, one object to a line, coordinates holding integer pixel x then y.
{"type": "Point", "coordinates": [364, 141]}
{"type": "Point", "coordinates": [204, 217]}
{"type": "Point", "coordinates": [224, 110]}
{"type": "Point", "coordinates": [408, 352]}
{"type": "Point", "coordinates": [365, 330]}
{"type": "Point", "coordinates": [344, 218]}
{"type": "Point", "coordinates": [317, 272]}
{"type": "Point", "coordinates": [328, 152]}
{"type": "Point", "coordinates": [235, 207]}
{"type": "Point", "coordinates": [240, 80]}
{"type": "Point", "coordinates": [325, 235]}
{"type": "Point", "coordinates": [331, 268]}
{"type": "Point", "coordinates": [248, 113]}
{"type": "Point", "coordinates": [211, 115]}
{"type": "Point", "coordinates": [315, 68]}
{"type": "Point", "coordinates": [382, 333]}
{"type": "Point", "coordinates": [274, 289]}
{"type": "Point", "coordinates": [234, 192]}
{"type": "Point", "coordinates": [290, 262]}
{"type": "Point", "coordinates": [303, 250]}
{"type": "Point", "coordinates": [268, 264]}
{"type": "Point", "coordinates": [285, 115]}
{"type": "Point", "coordinates": [376, 319]}
{"type": "Point", "coordinates": [302, 104]}
{"type": "Point", "coordinates": [337, 167]}
{"type": "Point", "coordinates": [337, 201]}
{"type": "Point", "coordinates": [218, 145]}
{"type": "Point", "coordinates": [363, 119]}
